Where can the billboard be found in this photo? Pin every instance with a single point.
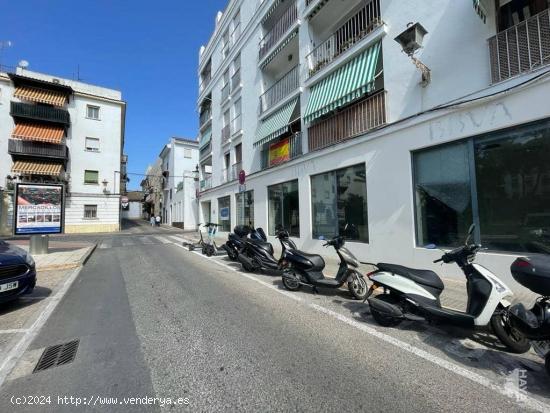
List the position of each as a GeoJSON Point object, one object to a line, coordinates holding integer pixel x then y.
{"type": "Point", "coordinates": [38, 209]}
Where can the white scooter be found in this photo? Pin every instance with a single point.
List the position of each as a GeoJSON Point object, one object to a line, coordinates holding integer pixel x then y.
{"type": "Point", "coordinates": [411, 294]}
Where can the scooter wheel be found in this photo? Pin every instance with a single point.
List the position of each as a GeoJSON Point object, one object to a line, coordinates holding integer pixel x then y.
{"type": "Point", "coordinates": [358, 288]}
{"type": "Point", "coordinates": [512, 339]}
{"type": "Point", "coordinates": [290, 284]}
{"type": "Point", "coordinates": [209, 251]}
{"type": "Point", "coordinates": [232, 254]}
{"type": "Point", "coordinates": [191, 248]}
{"type": "Point", "coordinates": [382, 319]}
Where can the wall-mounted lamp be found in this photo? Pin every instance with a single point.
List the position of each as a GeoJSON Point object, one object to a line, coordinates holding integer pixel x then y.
{"type": "Point", "coordinates": [411, 41]}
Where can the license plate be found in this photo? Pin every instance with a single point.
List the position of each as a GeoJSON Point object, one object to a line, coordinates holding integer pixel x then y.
{"type": "Point", "coordinates": [9, 286]}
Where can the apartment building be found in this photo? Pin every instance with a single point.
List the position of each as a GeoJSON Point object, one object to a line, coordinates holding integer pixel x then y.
{"type": "Point", "coordinates": [178, 162]}
{"type": "Point", "coordinates": [55, 130]}
{"type": "Point", "coordinates": [408, 120]}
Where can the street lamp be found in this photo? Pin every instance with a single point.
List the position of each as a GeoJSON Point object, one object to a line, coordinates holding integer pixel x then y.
{"type": "Point", "coordinates": [411, 41]}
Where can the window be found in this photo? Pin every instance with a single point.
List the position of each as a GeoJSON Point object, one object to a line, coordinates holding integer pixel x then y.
{"type": "Point", "coordinates": [92, 144]}
{"type": "Point", "coordinates": [92, 112]}
{"type": "Point", "coordinates": [339, 198]}
{"type": "Point", "coordinates": [91, 177]}
{"type": "Point", "coordinates": [245, 208]}
{"type": "Point", "coordinates": [224, 214]}
{"type": "Point", "coordinates": [225, 42]}
{"type": "Point", "coordinates": [236, 27]}
{"type": "Point", "coordinates": [505, 173]}
{"type": "Point", "coordinates": [90, 211]}
{"type": "Point", "coordinates": [284, 207]}
{"type": "Point", "coordinates": [187, 153]}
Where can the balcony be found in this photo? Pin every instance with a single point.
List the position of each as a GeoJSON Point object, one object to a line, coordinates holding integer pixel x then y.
{"type": "Point", "coordinates": [40, 112]}
{"type": "Point", "coordinates": [295, 150]}
{"type": "Point", "coordinates": [353, 121]}
{"type": "Point", "coordinates": [236, 125]}
{"type": "Point", "coordinates": [236, 80]}
{"type": "Point", "coordinates": [235, 169]}
{"type": "Point", "coordinates": [37, 149]}
{"type": "Point", "coordinates": [204, 152]}
{"type": "Point", "coordinates": [206, 183]}
{"type": "Point", "coordinates": [226, 133]}
{"type": "Point", "coordinates": [520, 48]}
{"type": "Point", "coordinates": [225, 92]}
{"type": "Point", "coordinates": [281, 89]}
{"type": "Point", "coordinates": [205, 81]}
{"type": "Point", "coordinates": [205, 117]}
{"type": "Point", "coordinates": [278, 30]}
{"type": "Point", "coordinates": [351, 32]}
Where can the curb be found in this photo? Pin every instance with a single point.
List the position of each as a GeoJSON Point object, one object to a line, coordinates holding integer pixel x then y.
{"type": "Point", "coordinates": [71, 266]}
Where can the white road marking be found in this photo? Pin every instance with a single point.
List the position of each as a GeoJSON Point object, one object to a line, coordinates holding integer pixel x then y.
{"type": "Point", "coordinates": [515, 394]}
{"type": "Point", "coordinates": [13, 356]}
{"type": "Point", "coordinates": [14, 330]}
{"type": "Point", "coordinates": [106, 243]}
{"type": "Point", "coordinates": [177, 239]}
{"type": "Point", "coordinates": [162, 239]}
{"type": "Point", "coordinates": [127, 242]}
{"type": "Point", "coordinates": [146, 240]}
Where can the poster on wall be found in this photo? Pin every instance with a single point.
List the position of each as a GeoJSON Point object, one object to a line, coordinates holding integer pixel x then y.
{"type": "Point", "coordinates": [279, 152]}
{"type": "Point", "coordinates": [38, 209]}
{"type": "Point", "coordinates": [224, 214]}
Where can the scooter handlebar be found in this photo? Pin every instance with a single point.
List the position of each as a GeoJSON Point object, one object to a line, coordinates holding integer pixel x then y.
{"type": "Point", "coordinates": [439, 260]}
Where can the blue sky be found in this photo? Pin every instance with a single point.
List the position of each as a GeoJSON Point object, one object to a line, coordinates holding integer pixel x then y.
{"type": "Point", "coordinates": [147, 49]}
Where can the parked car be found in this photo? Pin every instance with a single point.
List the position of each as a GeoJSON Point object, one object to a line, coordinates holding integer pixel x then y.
{"type": "Point", "coordinates": [17, 272]}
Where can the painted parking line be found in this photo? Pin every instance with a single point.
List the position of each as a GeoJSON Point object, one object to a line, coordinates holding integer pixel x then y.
{"type": "Point", "coordinates": [14, 331]}
{"type": "Point", "coordinates": [517, 395]}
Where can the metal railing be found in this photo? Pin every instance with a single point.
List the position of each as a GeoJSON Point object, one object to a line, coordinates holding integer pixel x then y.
{"type": "Point", "coordinates": [205, 151]}
{"type": "Point", "coordinates": [206, 183]}
{"type": "Point", "coordinates": [225, 92]}
{"type": "Point", "coordinates": [351, 32]}
{"type": "Point", "coordinates": [40, 112]}
{"type": "Point", "coordinates": [235, 169]}
{"type": "Point", "coordinates": [236, 124]}
{"type": "Point", "coordinates": [205, 116]}
{"type": "Point", "coordinates": [226, 133]}
{"type": "Point", "coordinates": [280, 89]}
{"type": "Point", "coordinates": [354, 120]}
{"type": "Point", "coordinates": [520, 48]}
{"type": "Point", "coordinates": [289, 17]}
{"type": "Point", "coordinates": [205, 79]}
{"type": "Point", "coordinates": [236, 80]}
{"type": "Point", "coordinates": [294, 151]}
{"type": "Point", "coordinates": [38, 149]}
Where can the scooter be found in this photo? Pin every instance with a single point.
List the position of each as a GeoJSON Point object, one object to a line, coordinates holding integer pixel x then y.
{"type": "Point", "coordinates": [210, 248]}
{"type": "Point", "coordinates": [533, 273]}
{"type": "Point", "coordinates": [236, 239]}
{"type": "Point", "coordinates": [195, 245]}
{"type": "Point", "coordinates": [301, 268]}
{"type": "Point", "coordinates": [257, 254]}
{"type": "Point", "coordinates": [411, 294]}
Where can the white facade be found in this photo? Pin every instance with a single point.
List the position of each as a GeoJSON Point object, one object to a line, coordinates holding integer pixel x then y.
{"type": "Point", "coordinates": [179, 159]}
{"type": "Point", "coordinates": [460, 102]}
{"type": "Point", "coordinates": [107, 134]}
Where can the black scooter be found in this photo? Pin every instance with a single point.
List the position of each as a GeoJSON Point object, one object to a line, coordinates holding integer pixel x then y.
{"type": "Point", "coordinates": [257, 254]}
{"type": "Point", "coordinates": [236, 239]}
{"type": "Point", "coordinates": [301, 268]}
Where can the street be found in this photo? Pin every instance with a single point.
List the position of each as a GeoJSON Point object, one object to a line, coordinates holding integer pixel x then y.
{"type": "Point", "coordinates": [155, 320]}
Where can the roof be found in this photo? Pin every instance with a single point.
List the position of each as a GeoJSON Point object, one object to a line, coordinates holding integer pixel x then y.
{"type": "Point", "coordinates": [19, 80]}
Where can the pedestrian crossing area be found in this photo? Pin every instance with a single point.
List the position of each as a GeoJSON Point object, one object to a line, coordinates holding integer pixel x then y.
{"type": "Point", "coordinates": [130, 241]}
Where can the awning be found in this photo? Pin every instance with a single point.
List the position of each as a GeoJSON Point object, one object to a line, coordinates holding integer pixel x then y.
{"type": "Point", "coordinates": [205, 138]}
{"type": "Point", "coordinates": [39, 132]}
{"type": "Point", "coordinates": [274, 53]}
{"type": "Point", "coordinates": [37, 167]}
{"type": "Point", "coordinates": [270, 11]}
{"type": "Point", "coordinates": [278, 123]}
{"type": "Point", "coordinates": [50, 97]}
{"type": "Point", "coordinates": [351, 81]}
{"type": "Point", "coordinates": [481, 9]}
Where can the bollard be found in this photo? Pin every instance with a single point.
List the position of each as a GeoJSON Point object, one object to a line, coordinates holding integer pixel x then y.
{"type": "Point", "coordinates": [39, 244]}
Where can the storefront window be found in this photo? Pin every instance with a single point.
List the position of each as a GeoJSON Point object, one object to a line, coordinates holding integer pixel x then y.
{"type": "Point", "coordinates": [512, 190]}
{"type": "Point", "coordinates": [245, 208]}
{"type": "Point", "coordinates": [224, 214]}
{"type": "Point", "coordinates": [339, 198]}
{"type": "Point", "coordinates": [284, 207]}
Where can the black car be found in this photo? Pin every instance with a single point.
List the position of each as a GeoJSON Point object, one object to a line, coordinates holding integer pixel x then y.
{"type": "Point", "coordinates": [17, 272]}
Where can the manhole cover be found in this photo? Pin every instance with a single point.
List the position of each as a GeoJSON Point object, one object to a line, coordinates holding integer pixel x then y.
{"type": "Point", "coordinates": [57, 355]}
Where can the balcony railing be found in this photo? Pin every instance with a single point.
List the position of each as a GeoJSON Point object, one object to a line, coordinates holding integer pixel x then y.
{"type": "Point", "coordinates": [351, 32]}
{"type": "Point", "coordinates": [520, 48]}
{"type": "Point", "coordinates": [225, 92]}
{"type": "Point", "coordinates": [236, 80]}
{"type": "Point", "coordinates": [281, 89]}
{"type": "Point", "coordinates": [206, 77]}
{"type": "Point", "coordinates": [38, 149]}
{"type": "Point", "coordinates": [295, 150]}
{"type": "Point", "coordinates": [226, 133]}
{"type": "Point", "coordinates": [354, 120]}
{"type": "Point", "coordinates": [278, 30]}
{"type": "Point", "coordinates": [236, 124]}
{"type": "Point", "coordinates": [205, 116]}
{"type": "Point", "coordinates": [235, 169]}
{"type": "Point", "coordinates": [206, 183]}
{"type": "Point", "coordinates": [40, 112]}
{"type": "Point", "coordinates": [205, 151]}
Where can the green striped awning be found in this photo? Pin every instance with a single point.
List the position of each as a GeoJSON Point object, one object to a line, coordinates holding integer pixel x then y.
{"type": "Point", "coordinates": [274, 53]}
{"type": "Point", "coordinates": [276, 124]}
{"type": "Point", "coordinates": [347, 83]}
{"type": "Point", "coordinates": [205, 138]}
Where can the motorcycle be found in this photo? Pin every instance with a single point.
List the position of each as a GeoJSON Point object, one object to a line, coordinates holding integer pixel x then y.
{"type": "Point", "coordinates": [301, 268]}
{"type": "Point", "coordinates": [412, 294]}
{"type": "Point", "coordinates": [533, 273]}
{"type": "Point", "coordinates": [257, 254]}
{"type": "Point", "coordinates": [236, 239]}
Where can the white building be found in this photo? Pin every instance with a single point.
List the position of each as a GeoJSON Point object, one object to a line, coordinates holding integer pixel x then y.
{"type": "Point", "coordinates": [63, 131]}
{"type": "Point", "coordinates": [333, 124]}
{"type": "Point", "coordinates": [179, 159]}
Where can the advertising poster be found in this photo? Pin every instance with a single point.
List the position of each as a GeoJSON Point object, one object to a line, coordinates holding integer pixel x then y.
{"type": "Point", "coordinates": [279, 152]}
{"type": "Point", "coordinates": [224, 213]}
{"type": "Point", "coordinates": [38, 209]}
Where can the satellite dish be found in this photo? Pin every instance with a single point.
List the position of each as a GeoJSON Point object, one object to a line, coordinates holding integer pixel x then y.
{"type": "Point", "coordinates": [23, 64]}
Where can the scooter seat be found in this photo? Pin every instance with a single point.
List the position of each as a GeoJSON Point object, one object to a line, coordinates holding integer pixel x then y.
{"type": "Point", "coordinates": [317, 262]}
{"type": "Point", "coordinates": [261, 244]}
{"type": "Point", "coordinates": [424, 277]}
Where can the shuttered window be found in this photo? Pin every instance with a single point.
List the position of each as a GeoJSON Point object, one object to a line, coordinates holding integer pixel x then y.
{"type": "Point", "coordinates": [91, 177]}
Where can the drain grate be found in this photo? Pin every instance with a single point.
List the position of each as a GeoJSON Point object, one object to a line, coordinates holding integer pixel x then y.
{"type": "Point", "coordinates": [57, 355]}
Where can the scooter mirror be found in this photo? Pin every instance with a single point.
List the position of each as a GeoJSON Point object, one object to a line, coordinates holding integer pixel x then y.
{"type": "Point", "coordinates": [470, 232]}
{"type": "Point", "coordinates": [430, 246]}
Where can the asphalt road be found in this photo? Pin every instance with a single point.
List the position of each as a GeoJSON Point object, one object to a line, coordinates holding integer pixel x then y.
{"type": "Point", "coordinates": [155, 320]}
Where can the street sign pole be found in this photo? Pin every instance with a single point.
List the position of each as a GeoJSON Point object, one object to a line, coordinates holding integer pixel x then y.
{"type": "Point", "coordinates": [242, 190]}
